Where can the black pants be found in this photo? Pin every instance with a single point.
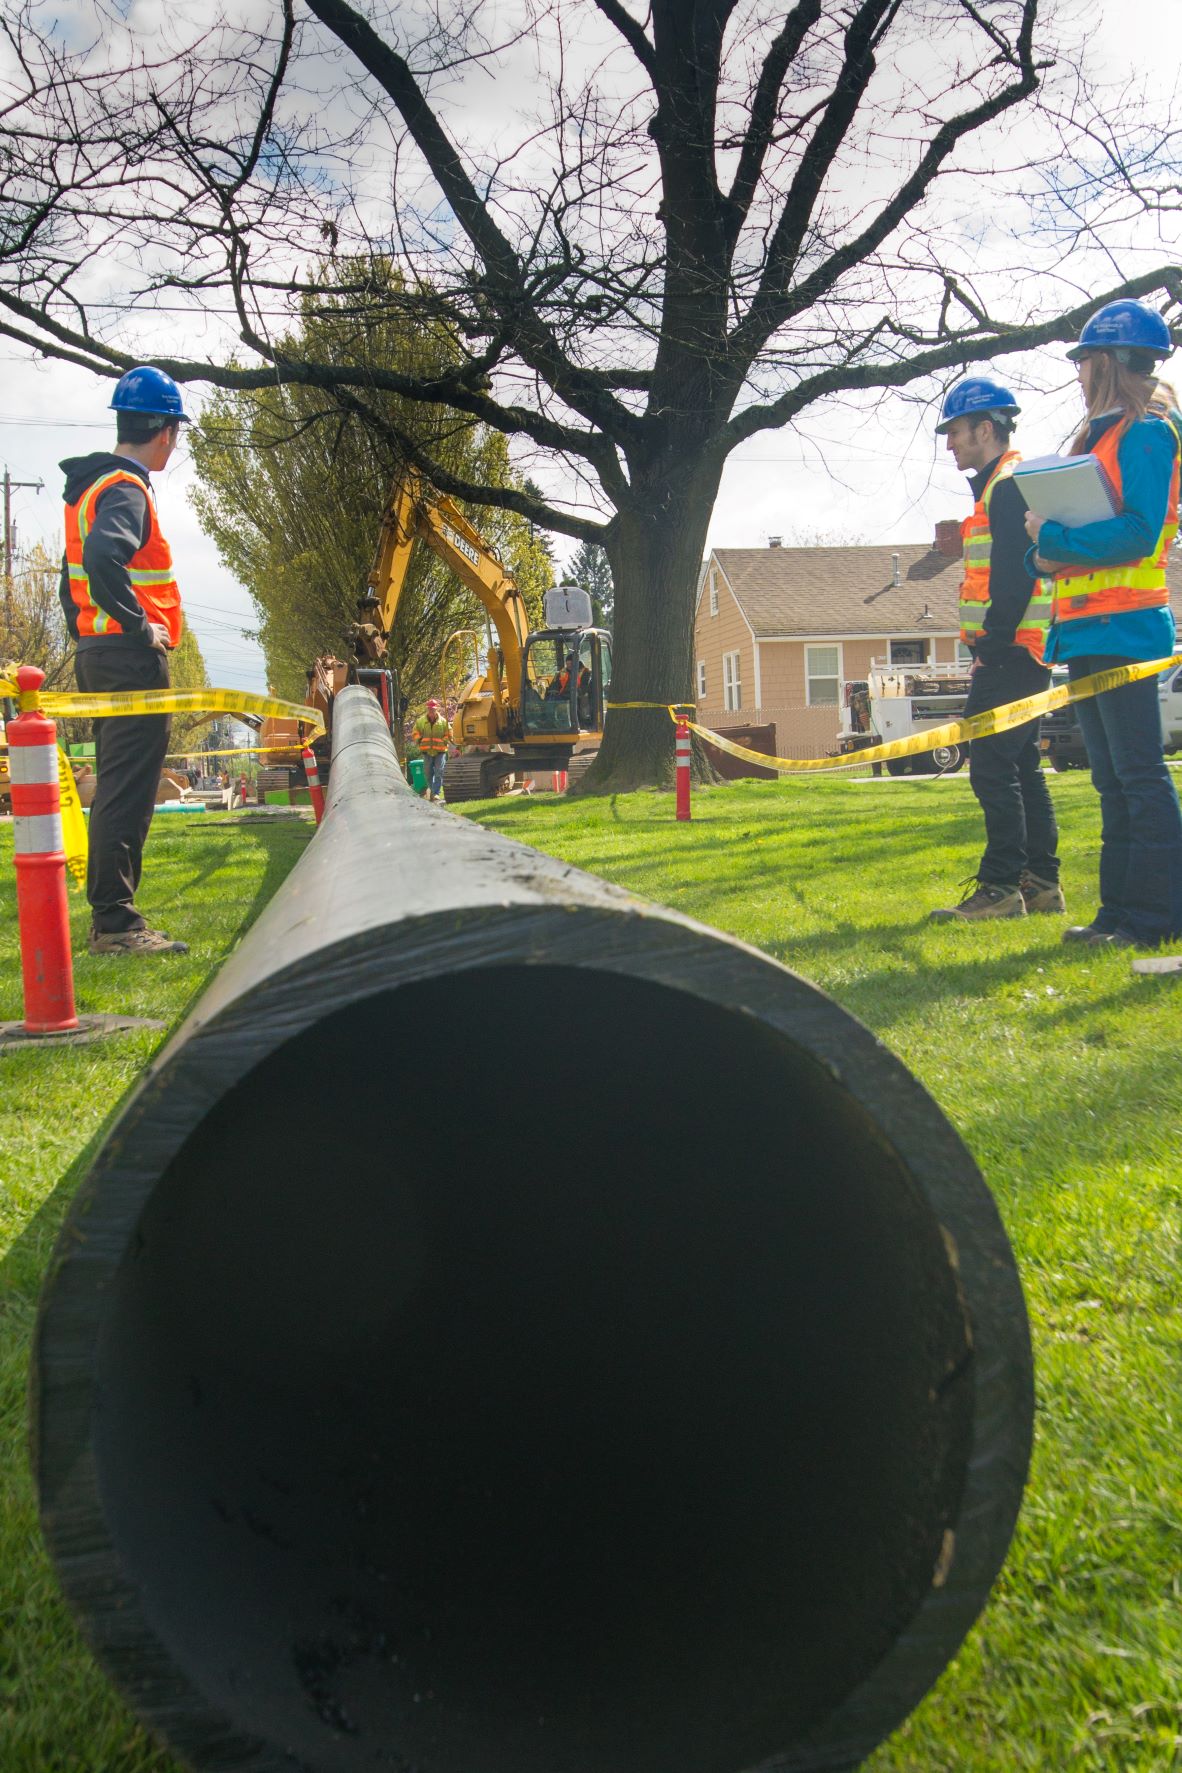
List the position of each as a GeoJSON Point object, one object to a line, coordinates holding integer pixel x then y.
{"type": "Point", "coordinates": [1006, 773]}
{"type": "Point", "coordinates": [129, 753]}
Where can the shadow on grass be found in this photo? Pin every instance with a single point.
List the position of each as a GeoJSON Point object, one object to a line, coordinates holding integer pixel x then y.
{"type": "Point", "coordinates": [874, 997]}
{"type": "Point", "coordinates": [1059, 1142]}
{"type": "Point", "coordinates": [282, 846]}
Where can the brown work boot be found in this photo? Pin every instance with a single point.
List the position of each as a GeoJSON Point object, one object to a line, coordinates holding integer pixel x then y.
{"type": "Point", "coordinates": [983, 900]}
{"type": "Point", "coordinates": [141, 941]}
{"type": "Point", "coordinates": [1039, 894]}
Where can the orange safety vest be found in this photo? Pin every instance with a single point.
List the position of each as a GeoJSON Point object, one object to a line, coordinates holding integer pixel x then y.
{"type": "Point", "coordinates": [150, 567]}
{"type": "Point", "coordinates": [974, 587]}
{"type": "Point", "coordinates": [431, 736]}
{"type": "Point", "coordinates": [1136, 584]}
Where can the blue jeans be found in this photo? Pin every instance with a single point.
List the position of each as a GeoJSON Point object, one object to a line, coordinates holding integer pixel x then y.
{"type": "Point", "coordinates": [1141, 826]}
{"type": "Point", "coordinates": [435, 767]}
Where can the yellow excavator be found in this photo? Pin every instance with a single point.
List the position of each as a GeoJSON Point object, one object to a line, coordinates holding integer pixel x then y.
{"type": "Point", "coordinates": [535, 700]}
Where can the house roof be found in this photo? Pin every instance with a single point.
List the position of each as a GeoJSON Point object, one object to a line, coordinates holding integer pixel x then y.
{"type": "Point", "coordinates": [805, 591]}
{"type": "Point", "coordinates": [842, 590]}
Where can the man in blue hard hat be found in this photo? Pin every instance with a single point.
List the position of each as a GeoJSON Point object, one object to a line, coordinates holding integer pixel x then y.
{"type": "Point", "coordinates": [1003, 619]}
{"type": "Point", "coordinates": [122, 607]}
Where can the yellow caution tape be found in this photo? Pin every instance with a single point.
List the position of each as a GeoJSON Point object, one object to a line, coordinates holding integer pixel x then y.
{"type": "Point", "coordinates": [73, 704]}
{"type": "Point", "coordinates": [73, 821]}
{"type": "Point", "coordinates": [668, 706]}
{"type": "Point", "coordinates": [295, 746]}
{"type": "Point", "coordinates": [956, 732]}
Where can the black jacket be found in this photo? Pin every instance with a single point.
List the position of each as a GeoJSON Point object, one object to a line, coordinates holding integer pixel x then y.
{"type": "Point", "coordinates": [1010, 589]}
{"type": "Point", "coordinates": [121, 526]}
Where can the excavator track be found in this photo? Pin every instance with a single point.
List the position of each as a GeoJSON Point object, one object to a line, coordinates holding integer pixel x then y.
{"type": "Point", "coordinates": [578, 766]}
{"type": "Point", "coordinates": [467, 778]}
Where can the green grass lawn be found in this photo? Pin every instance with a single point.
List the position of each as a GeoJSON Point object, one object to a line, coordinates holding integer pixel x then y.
{"type": "Point", "coordinates": [57, 1714]}
{"type": "Point", "coordinates": [1062, 1071]}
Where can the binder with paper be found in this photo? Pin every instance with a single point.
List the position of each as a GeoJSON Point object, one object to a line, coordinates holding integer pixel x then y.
{"type": "Point", "coordinates": [1071, 490]}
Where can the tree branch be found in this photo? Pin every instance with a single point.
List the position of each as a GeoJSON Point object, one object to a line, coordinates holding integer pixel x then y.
{"type": "Point", "coordinates": [957, 353]}
{"type": "Point", "coordinates": [505, 498]}
{"type": "Point", "coordinates": [504, 285]}
{"type": "Point", "coordinates": [631, 31]}
{"type": "Point", "coordinates": [776, 63]}
{"type": "Point", "coordinates": [849, 89]}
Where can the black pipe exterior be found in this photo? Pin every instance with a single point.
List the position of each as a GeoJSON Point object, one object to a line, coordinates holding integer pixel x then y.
{"type": "Point", "coordinates": [514, 1329]}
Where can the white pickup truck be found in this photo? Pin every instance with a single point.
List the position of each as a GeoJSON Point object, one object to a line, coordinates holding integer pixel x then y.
{"type": "Point", "coordinates": [1062, 741]}
{"type": "Point", "coordinates": [896, 701]}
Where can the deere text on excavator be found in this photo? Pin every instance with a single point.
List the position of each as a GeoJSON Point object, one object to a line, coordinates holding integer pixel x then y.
{"type": "Point", "coordinates": [536, 699]}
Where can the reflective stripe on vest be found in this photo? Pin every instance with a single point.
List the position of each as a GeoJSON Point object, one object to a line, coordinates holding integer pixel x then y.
{"type": "Point", "coordinates": [150, 568]}
{"type": "Point", "coordinates": [974, 588]}
{"type": "Point", "coordinates": [1117, 590]}
{"type": "Point", "coordinates": [431, 736]}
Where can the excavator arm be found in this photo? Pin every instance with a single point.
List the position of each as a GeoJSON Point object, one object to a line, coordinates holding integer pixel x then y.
{"type": "Point", "coordinates": [416, 512]}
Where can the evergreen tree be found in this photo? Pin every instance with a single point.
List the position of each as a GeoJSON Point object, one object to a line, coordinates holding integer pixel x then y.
{"type": "Point", "coordinates": [591, 568]}
{"type": "Point", "coordinates": [292, 490]}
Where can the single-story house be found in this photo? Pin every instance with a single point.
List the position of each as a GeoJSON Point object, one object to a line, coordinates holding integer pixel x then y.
{"type": "Point", "coordinates": [779, 632]}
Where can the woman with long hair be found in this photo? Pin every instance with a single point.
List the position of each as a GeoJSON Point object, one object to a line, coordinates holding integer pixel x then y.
{"type": "Point", "coordinates": [1111, 607]}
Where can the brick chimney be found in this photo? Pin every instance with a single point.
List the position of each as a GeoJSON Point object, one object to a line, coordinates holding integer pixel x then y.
{"type": "Point", "coordinates": [948, 539]}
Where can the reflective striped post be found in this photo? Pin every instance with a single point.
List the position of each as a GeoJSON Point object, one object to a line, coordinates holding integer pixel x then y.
{"type": "Point", "coordinates": [683, 770]}
{"type": "Point", "coordinates": [560, 781]}
{"type": "Point", "coordinates": [312, 774]}
{"type": "Point", "coordinates": [42, 908]}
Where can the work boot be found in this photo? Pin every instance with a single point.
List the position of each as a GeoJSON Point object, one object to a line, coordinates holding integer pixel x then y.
{"type": "Point", "coordinates": [1039, 894]}
{"type": "Point", "coordinates": [1091, 933]}
{"type": "Point", "coordinates": [1090, 937]}
{"type": "Point", "coordinates": [983, 900]}
{"type": "Point", "coordinates": [141, 941]}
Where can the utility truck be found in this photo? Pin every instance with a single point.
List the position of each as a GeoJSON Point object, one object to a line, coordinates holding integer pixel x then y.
{"type": "Point", "coordinates": [896, 701]}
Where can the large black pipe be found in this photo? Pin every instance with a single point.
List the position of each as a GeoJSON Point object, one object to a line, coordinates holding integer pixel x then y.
{"type": "Point", "coordinates": [513, 1329]}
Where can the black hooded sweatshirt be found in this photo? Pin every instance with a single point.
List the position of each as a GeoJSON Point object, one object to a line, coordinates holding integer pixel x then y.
{"type": "Point", "coordinates": [121, 526]}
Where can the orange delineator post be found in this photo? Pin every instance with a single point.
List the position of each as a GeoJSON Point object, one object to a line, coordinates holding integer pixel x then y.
{"type": "Point", "coordinates": [43, 912]}
{"type": "Point", "coordinates": [683, 770]}
{"type": "Point", "coordinates": [560, 781]}
{"type": "Point", "coordinates": [312, 774]}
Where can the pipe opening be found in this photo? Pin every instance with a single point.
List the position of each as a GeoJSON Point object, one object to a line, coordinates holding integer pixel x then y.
{"type": "Point", "coordinates": [468, 1402]}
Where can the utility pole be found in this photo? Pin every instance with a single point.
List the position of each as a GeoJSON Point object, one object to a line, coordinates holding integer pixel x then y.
{"type": "Point", "coordinates": [9, 483]}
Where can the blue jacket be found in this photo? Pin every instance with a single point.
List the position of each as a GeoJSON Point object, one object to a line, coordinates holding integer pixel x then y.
{"type": "Point", "coordinates": [1146, 455]}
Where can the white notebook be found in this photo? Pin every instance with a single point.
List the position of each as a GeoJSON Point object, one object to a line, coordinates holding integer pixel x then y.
{"type": "Point", "coordinates": [1071, 490]}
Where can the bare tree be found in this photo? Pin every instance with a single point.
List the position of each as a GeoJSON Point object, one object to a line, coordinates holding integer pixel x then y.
{"type": "Point", "coordinates": [663, 233]}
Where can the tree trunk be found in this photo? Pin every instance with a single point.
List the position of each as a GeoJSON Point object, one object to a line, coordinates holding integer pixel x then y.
{"type": "Point", "coordinates": [655, 546]}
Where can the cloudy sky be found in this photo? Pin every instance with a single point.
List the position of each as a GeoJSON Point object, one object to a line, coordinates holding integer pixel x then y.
{"type": "Point", "coordinates": [870, 471]}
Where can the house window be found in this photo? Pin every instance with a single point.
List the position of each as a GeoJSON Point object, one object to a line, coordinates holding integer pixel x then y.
{"type": "Point", "coordinates": [713, 595]}
{"type": "Point", "coordinates": [701, 680]}
{"type": "Point", "coordinates": [822, 670]}
{"type": "Point", "coordinates": [732, 689]}
{"type": "Point", "coordinates": [963, 655]}
{"type": "Point", "coordinates": [909, 652]}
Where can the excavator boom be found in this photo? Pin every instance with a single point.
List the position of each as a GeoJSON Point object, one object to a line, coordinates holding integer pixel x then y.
{"type": "Point", "coordinates": [415, 512]}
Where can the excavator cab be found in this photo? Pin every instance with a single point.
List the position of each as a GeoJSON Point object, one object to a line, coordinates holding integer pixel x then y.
{"type": "Point", "coordinates": [565, 683]}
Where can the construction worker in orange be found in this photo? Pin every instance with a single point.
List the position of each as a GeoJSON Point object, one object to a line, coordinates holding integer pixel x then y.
{"type": "Point", "coordinates": [1003, 621]}
{"type": "Point", "coordinates": [1111, 607]}
{"type": "Point", "coordinates": [432, 735]}
{"type": "Point", "coordinates": [123, 609]}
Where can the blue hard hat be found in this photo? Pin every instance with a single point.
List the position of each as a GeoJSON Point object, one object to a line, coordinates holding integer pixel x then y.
{"type": "Point", "coordinates": [975, 396]}
{"type": "Point", "coordinates": [1130, 330]}
{"type": "Point", "coordinates": [149, 390]}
